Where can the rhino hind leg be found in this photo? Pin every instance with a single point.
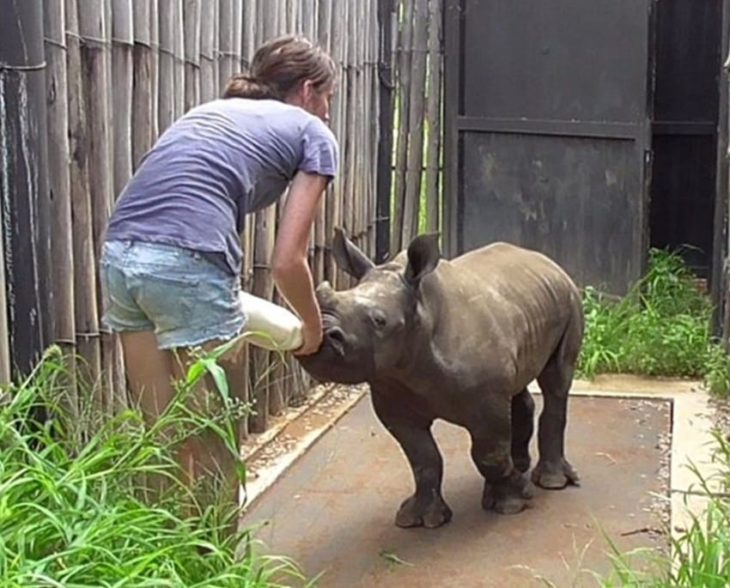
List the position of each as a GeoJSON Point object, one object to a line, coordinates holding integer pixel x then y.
{"type": "Point", "coordinates": [426, 508]}
{"type": "Point", "coordinates": [553, 471]}
{"type": "Point", "coordinates": [523, 427]}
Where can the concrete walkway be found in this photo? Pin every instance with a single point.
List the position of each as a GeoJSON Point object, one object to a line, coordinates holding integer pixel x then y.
{"type": "Point", "coordinates": [332, 511]}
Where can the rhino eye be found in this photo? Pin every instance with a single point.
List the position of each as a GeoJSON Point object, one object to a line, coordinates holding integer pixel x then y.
{"type": "Point", "coordinates": [378, 318]}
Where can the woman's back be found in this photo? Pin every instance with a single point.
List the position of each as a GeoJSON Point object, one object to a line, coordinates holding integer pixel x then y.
{"type": "Point", "coordinates": [217, 163]}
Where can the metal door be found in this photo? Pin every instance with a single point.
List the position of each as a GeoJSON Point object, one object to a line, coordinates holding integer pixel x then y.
{"type": "Point", "coordinates": [548, 131]}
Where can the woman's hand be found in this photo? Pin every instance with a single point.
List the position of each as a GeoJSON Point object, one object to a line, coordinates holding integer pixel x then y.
{"type": "Point", "coordinates": [312, 336]}
{"type": "Point", "coordinates": [291, 270]}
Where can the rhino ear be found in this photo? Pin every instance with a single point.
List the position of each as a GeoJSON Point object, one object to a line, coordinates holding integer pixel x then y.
{"type": "Point", "coordinates": [348, 257]}
{"type": "Point", "coordinates": [423, 257]}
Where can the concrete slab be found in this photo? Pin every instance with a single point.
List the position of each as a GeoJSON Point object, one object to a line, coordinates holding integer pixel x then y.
{"type": "Point", "coordinates": [333, 510]}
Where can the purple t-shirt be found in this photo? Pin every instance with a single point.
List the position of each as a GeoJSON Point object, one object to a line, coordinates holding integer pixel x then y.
{"type": "Point", "coordinates": [220, 161]}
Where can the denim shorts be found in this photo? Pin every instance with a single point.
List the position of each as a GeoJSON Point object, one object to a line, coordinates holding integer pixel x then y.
{"type": "Point", "coordinates": [182, 296]}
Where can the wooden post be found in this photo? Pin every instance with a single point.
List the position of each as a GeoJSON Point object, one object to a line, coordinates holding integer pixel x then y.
{"type": "Point", "coordinates": [84, 275]}
{"type": "Point", "coordinates": [178, 45]}
{"type": "Point", "coordinates": [208, 43]}
{"type": "Point", "coordinates": [142, 86]}
{"type": "Point", "coordinates": [96, 34]}
{"type": "Point", "coordinates": [122, 70]}
{"type": "Point", "coordinates": [59, 184]}
{"type": "Point", "coordinates": [192, 19]}
{"type": "Point", "coordinates": [225, 36]}
{"type": "Point", "coordinates": [405, 42]}
{"type": "Point", "coordinates": [155, 71]}
{"type": "Point", "coordinates": [236, 65]}
{"type": "Point", "coordinates": [166, 103]}
{"type": "Point", "coordinates": [414, 160]}
{"type": "Point", "coordinates": [433, 115]}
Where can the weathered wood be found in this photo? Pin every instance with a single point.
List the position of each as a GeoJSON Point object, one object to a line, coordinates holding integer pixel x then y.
{"type": "Point", "coordinates": [96, 36]}
{"type": "Point", "coordinates": [142, 85]}
{"type": "Point", "coordinates": [155, 70]}
{"type": "Point", "coordinates": [59, 180]}
{"type": "Point", "coordinates": [403, 53]}
{"type": "Point", "coordinates": [193, 33]}
{"type": "Point", "coordinates": [84, 275]}
{"type": "Point", "coordinates": [270, 20]}
{"type": "Point", "coordinates": [178, 46]}
{"type": "Point", "coordinates": [349, 138]}
{"type": "Point", "coordinates": [208, 47]}
{"type": "Point", "coordinates": [166, 97]}
{"type": "Point", "coordinates": [5, 373]}
{"type": "Point", "coordinates": [226, 61]}
{"type": "Point", "coordinates": [263, 286]}
{"type": "Point", "coordinates": [123, 81]}
{"type": "Point", "coordinates": [433, 116]}
{"type": "Point", "coordinates": [414, 160]}
{"type": "Point", "coordinates": [248, 41]}
{"type": "Point", "coordinates": [237, 35]}
{"type": "Point", "coordinates": [138, 66]}
{"type": "Point", "coordinates": [59, 186]}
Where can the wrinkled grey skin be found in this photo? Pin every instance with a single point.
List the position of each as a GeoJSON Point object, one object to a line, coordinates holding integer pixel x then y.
{"type": "Point", "coordinates": [458, 340]}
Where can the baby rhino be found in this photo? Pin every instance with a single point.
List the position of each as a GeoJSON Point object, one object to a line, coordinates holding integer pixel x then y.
{"type": "Point", "coordinates": [458, 340]}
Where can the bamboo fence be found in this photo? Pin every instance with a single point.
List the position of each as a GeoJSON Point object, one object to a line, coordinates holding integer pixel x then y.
{"type": "Point", "coordinates": [417, 158]}
{"type": "Point", "coordinates": [119, 72]}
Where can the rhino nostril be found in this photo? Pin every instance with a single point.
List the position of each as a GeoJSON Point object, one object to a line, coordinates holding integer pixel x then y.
{"type": "Point", "coordinates": [336, 334]}
{"type": "Point", "coordinates": [336, 337]}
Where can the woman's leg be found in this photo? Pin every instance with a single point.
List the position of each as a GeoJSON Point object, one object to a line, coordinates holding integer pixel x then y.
{"type": "Point", "coordinates": [204, 458]}
{"type": "Point", "coordinates": [149, 372]}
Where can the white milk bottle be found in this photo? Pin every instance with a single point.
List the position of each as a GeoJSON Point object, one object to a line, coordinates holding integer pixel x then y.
{"type": "Point", "coordinates": [269, 325]}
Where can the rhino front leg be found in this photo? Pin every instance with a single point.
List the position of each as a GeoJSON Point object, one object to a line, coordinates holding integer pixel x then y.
{"type": "Point", "coordinates": [506, 489]}
{"type": "Point", "coordinates": [523, 427]}
{"type": "Point", "coordinates": [426, 508]}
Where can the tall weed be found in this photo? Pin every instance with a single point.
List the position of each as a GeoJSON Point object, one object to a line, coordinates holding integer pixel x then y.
{"type": "Point", "coordinates": [73, 511]}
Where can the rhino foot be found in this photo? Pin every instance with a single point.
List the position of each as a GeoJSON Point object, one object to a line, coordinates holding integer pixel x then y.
{"type": "Point", "coordinates": [555, 476]}
{"type": "Point", "coordinates": [416, 512]}
{"type": "Point", "coordinates": [511, 496]}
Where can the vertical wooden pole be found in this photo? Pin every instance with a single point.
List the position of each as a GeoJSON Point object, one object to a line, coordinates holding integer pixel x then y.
{"type": "Point", "coordinates": [178, 45]}
{"type": "Point", "coordinates": [155, 71]}
{"type": "Point", "coordinates": [208, 77]}
{"type": "Point", "coordinates": [192, 19]}
{"type": "Point", "coordinates": [59, 184]}
{"type": "Point", "coordinates": [166, 88]}
{"type": "Point", "coordinates": [96, 36]}
{"type": "Point", "coordinates": [404, 51]}
{"type": "Point", "coordinates": [84, 275]}
{"type": "Point", "coordinates": [433, 115]}
{"type": "Point", "coordinates": [142, 86]}
{"type": "Point", "coordinates": [414, 159]}
{"type": "Point", "coordinates": [122, 75]}
{"type": "Point", "coordinates": [225, 24]}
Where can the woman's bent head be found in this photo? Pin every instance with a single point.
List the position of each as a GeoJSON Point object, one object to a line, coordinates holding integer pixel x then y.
{"type": "Point", "coordinates": [290, 69]}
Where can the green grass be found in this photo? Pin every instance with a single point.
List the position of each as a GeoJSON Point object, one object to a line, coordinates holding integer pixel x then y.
{"type": "Point", "coordinates": [72, 513]}
{"type": "Point", "coordinates": [661, 328]}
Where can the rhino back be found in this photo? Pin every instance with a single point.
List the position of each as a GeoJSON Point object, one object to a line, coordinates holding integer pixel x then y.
{"type": "Point", "coordinates": [500, 310]}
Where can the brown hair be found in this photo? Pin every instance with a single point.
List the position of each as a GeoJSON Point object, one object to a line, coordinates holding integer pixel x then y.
{"type": "Point", "coordinates": [279, 67]}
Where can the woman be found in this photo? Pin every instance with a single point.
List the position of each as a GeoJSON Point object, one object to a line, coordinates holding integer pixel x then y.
{"type": "Point", "coordinates": [172, 257]}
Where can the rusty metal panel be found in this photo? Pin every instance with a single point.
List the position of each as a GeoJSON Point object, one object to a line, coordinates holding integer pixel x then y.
{"type": "Point", "coordinates": [548, 130]}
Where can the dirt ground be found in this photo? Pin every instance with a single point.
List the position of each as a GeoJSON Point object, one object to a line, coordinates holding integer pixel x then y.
{"type": "Point", "coordinates": [333, 510]}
